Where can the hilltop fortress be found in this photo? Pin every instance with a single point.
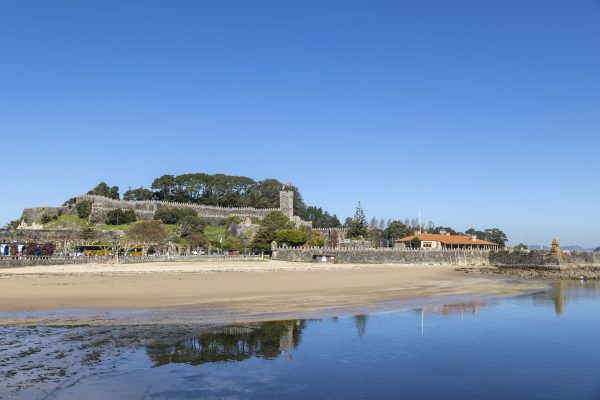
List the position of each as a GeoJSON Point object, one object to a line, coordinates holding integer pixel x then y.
{"type": "Point", "coordinates": [145, 210]}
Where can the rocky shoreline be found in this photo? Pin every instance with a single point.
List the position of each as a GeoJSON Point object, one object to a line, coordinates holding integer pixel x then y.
{"type": "Point", "coordinates": [574, 273]}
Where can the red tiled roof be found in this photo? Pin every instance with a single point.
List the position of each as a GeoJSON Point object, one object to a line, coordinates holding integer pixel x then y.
{"type": "Point", "coordinates": [447, 239]}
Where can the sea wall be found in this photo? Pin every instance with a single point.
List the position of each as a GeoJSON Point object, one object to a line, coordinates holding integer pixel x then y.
{"type": "Point", "coordinates": [501, 259]}
{"type": "Point", "coordinates": [386, 256]}
{"type": "Point", "coordinates": [540, 258]}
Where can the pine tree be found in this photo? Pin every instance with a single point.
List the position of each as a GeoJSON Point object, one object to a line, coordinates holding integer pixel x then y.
{"type": "Point", "coordinates": [88, 233]}
{"type": "Point", "coordinates": [430, 226]}
{"type": "Point", "coordinates": [358, 225]}
{"type": "Point", "coordinates": [373, 223]}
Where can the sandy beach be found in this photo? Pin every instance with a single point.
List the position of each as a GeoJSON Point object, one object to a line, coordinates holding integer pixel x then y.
{"type": "Point", "coordinates": [242, 287]}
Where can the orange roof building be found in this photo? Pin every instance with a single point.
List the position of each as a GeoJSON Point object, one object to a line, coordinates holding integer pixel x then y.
{"type": "Point", "coordinates": [448, 242]}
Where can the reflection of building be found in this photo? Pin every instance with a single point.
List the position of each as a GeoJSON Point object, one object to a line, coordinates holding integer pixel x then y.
{"type": "Point", "coordinates": [233, 343]}
{"type": "Point", "coordinates": [447, 242]}
{"type": "Point", "coordinates": [449, 309]}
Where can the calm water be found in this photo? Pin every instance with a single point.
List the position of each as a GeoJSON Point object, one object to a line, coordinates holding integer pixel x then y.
{"type": "Point", "coordinates": [538, 346]}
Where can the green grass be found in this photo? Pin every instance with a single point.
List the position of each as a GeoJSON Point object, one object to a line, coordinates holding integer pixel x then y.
{"type": "Point", "coordinates": [213, 233]}
{"type": "Point", "coordinates": [122, 227]}
{"type": "Point", "coordinates": [72, 221]}
{"type": "Point", "coordinates": [66, 221]}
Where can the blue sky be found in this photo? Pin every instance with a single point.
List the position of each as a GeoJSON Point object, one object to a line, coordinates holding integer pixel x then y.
{"type": "Point", "coordinates": [479, 113]}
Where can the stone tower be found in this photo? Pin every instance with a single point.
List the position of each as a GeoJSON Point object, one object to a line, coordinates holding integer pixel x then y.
{"type": "Point", "coordinates": [286, 202]}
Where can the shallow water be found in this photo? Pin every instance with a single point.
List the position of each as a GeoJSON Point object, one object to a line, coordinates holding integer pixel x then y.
{"type": "Point", "coordinates": [538, 346]}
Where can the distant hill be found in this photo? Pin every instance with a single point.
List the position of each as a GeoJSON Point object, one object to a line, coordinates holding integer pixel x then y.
{"type": "Point", "coordinates": [567, 248]}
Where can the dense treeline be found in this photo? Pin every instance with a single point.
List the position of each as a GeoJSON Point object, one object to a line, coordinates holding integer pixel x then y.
{"type": "Point", "coordinates": [221, 190]}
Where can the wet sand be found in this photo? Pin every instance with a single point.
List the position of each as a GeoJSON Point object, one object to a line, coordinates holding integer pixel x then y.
{"type": "Point", "coordinates": [237, 287]}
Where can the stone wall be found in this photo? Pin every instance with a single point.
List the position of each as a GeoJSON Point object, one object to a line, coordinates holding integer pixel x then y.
{"type": "Point", "coordinates": [340, 234]}
{"type": "Point", "coordinates": [12, 262]}
{"type": "Point", "coordinates": [51, 236]}
{"type": "Point", "coordinates": [502, 259]}
{"type": "Point", "coordinates": [35, 213]}
{"type": "Point", "coordinates": [539, 258]}
{"type": "Point", "coordinates": [144, 210]}
{"type": "Point", "coordinates": [386, 256]}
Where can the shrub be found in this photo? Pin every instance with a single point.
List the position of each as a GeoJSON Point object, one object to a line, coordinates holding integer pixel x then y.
{"type": "Point", "coordinates": [84, 209]}
{"type": "Point", "coordinates": [291, 237]}
{"type": "Point", "coordinates": [190, 224]}
{"type": "Point", "coordinates": [47, 249]}
{"type": "Point", "coordinates": [45, 218]}
{"type": "Point", "coordinates": [317, 239]}
{"type": "Point", "coordinates": [171, 216]}
{"type": "Point", "coordinates": [118, 216]}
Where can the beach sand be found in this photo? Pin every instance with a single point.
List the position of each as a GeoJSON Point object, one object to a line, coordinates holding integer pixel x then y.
{"type": "Point", "coordinates": [242, 287]}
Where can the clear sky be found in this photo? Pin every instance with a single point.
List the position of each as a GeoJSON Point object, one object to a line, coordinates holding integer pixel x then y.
{"type": "Point", "coordinates": [478, 113]}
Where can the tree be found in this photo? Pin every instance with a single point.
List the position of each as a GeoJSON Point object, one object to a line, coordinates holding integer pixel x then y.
{"type": "Point", "coordinates": [190, 224]}
{"type": "Point", "coordinates": [138, 194]}
{"type": "Point", "coordinates": [521, 247]}
{"type": "Point", "coordinates": [171, 215]}
{"type": "Point", "coordinates": [358, 226]}
{"type": "Point", "coordinates": [267, 233]}
{"type": "Point", "coordinates": [197, 240]}
{"type": "Point", "coordinates": [291, 237]}
{"type": "Point", "coordinates": [232, 242]}
{"type": "Point", "coordinates": [262, 240]}
{"type": "Point", "coordinates": [88, 233]}
{"type": "Point", "coordinates": [118, 217]}
{"type": "Point", "coordinates": [415, 243]}
{"type": "Point", "coordinates": [320, 218]}
{"type": "Point", "coordinates": [495, 235]}
{"type": "Point", "coordinates": [373, 224]}
{"type": "Point", "coordinates": [102, 189]}
{"type": "Point", "coordinates": [275, 220]}
{"type": "Point", "coordinates": [430, 226]}
{"type": "Point", "coordinates": [438, 230]}
{"type": "Point", "coordinates": [45, 218]}
{"type": "Point", "coordinates": [147, 234]}
{"type": "Point", "coordinates": [316, 239]}
{"type": "Point", "coordinates": [397, 230]}
{"type": "Point", "coordinates": [376, 237]}
{"type": "Point", "coordinates": [84, 209]}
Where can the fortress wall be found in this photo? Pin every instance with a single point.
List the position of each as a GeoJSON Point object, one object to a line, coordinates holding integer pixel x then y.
{"type": "Point", "coordinates": [145, 210]}
{"type": "Point", "coordinates": [35, 213]}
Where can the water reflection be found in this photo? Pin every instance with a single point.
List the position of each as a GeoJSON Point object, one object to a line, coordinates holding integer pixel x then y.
{"type": "Point", "coordinates": [563, 292]}
{"type": "Point", "coordinates": [496, 347]}
{"type": "Point", "coordinates": [272, 339]}
{"type": "Point", "coordinates": [232, 343]}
